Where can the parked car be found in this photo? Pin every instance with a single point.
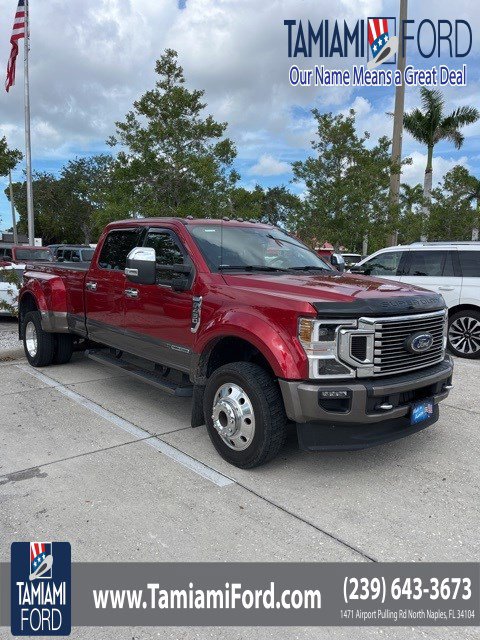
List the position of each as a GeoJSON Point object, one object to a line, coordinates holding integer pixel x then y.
{"type": "Point", "coordinates": [53, 248]}
{"type": "Point", "coordinates": [73, 253]}
{"type": "Point", "coordinates": [195, 308]}
{"type": "Point", "coordinates": [9, 290]}
{"type": "Point", "coordinates": [351, 259]}
{"type": "Point", "coordinates": [21, 253]}
{"type": "Point", "coordinates": [452, 269]}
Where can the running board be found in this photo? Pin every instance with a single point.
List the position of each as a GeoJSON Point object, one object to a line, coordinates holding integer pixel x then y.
{"type": "Point", "coordinates": [150, 377]}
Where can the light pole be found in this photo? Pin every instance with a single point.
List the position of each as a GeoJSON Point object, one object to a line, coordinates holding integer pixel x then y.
{"type": "Point", "coordinates": [398, 124]}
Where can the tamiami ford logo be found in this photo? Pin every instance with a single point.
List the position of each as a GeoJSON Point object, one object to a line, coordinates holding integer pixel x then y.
{"type": "Point", "coordinates": [374, 44]}
{"type": "Point", "coordinates": [40, 588]}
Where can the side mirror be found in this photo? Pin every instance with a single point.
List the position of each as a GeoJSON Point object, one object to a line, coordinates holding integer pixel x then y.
{"type": "Point", "coordinates": [338, 262]}
{"type": "Point", "coordinates": [141, 265]}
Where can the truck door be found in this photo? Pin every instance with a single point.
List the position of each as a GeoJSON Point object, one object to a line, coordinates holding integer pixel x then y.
{"type": "Point", "coordinates": [157, 318]}
{"type": "Point", "coordinates": [105, 287]}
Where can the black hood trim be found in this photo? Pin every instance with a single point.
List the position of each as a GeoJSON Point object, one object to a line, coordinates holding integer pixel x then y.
{"type": "Point", "coordinates": [380, 306]}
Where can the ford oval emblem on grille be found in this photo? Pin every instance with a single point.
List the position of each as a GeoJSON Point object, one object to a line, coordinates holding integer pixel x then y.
{"type": "Point", "coordinates": [419, 342]}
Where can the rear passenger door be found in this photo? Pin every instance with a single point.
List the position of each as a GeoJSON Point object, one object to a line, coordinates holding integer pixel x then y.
{"type": "Point", "coordinates": [105, 286]}
{"type": "Point", "coordinates": [436, 270]}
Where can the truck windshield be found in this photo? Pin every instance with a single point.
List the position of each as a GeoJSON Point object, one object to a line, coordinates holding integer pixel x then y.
{"type": "Point", "coordinates": [248, 248]}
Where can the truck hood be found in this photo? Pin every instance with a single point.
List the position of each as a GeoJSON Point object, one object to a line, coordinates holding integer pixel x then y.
{"type": "Point", "coordinates": [344, 294]}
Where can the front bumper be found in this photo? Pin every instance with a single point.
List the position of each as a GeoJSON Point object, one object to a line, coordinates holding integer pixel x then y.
{"type": "Point", "coordinates": [356, 420]}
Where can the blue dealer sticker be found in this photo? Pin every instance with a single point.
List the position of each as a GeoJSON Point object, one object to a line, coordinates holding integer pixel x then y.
{"type": "Point", "coordinates": [421, 411]}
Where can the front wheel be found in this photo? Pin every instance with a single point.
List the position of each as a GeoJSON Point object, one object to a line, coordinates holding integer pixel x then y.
{"type": "Point", "coordinates": [464, 334]}
{"type": "Point", "coordinates": [244, 414]}
{"type": "Point", "coordinates": [39, 345]}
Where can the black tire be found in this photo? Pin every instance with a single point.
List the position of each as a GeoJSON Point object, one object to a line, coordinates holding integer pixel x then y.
{"type": "Point", "coordinates": [464, 334]}
{"type": "Point", "coordinates": [63, 348]}
{"type": "Point", "coordinates": [43, 354]}
{"type": "Point", "coordinates": [266, 401]}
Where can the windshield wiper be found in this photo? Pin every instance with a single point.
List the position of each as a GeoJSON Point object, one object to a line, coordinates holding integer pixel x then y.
{"type": "Point", "coordinates": [248, 267]}
{"type": "Point", "coordinates": [310, 268]}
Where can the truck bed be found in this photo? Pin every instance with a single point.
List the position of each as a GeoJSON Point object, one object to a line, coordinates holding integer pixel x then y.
{"type": "Point", "coordinates": [67, 295]}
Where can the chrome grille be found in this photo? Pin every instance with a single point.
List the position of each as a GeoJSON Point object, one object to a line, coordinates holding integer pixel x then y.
{"type": "Point", "coordinates": [390, 353]}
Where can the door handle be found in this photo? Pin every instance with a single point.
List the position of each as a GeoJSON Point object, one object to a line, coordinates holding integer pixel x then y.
{"type": "Point", "coordinates": [91, 286]}
{"type": "Point", "coordinates": [131, 293]}
{"type": "Point", "coordinates": [446, 288]}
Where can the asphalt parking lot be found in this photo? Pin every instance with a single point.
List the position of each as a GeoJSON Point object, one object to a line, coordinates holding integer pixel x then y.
{"type": "Point", "coordinates": [111, 465]}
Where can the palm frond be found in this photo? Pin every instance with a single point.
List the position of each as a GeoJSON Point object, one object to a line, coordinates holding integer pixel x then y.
{"type": "Point", "coordinates": [461, 116]}
{"type": "Point", "coordinates": [417, 125]}
{"type": "Point", "coordinates": [452, 134]}
{"type": "Point", "coordinates": [433, 103]}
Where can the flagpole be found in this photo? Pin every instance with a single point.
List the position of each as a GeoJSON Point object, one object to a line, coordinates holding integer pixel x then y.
{"type": "Point", "coordinates": [28, 145]}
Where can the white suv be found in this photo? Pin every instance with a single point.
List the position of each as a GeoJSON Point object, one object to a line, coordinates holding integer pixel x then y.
{"type": "Point", "coordinates": [449, 268]}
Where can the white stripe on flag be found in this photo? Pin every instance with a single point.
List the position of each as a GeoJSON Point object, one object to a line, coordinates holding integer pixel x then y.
{"type": "Point", "coordinates": [372, 27]}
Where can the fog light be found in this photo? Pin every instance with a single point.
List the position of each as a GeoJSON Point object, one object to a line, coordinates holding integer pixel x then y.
{"type": "Point", "coordinates": [334, 394]}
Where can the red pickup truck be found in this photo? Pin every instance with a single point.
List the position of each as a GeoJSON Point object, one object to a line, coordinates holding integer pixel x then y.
{"type": "Point", "coordinates": [256, 327]}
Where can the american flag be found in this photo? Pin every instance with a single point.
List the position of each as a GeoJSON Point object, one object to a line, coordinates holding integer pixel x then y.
{"type": "Point", "coordinates": [18, 32]}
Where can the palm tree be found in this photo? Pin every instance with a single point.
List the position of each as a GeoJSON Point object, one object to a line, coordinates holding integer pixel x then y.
{"type": "Point", "coordinates": [429, 125]}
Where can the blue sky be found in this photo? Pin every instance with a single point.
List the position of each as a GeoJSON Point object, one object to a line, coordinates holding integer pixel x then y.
{"type": "Point", "coordinates": [90, 60]}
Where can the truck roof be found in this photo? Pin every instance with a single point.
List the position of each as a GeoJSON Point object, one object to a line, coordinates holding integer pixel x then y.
{"type": "Point", "coordinates": [189, 221]}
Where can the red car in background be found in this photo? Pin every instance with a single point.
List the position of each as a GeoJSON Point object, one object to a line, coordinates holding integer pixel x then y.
{"type": "Point", "coordinates": [21, 253]}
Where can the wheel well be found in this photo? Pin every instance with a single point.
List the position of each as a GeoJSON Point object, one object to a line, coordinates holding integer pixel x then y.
{"type": "Point", "coordinates": [233, 349]}
{"type": "Point", "coordinates": [27, 303]}
{"type": "Point", "coordinates": [463, 307]}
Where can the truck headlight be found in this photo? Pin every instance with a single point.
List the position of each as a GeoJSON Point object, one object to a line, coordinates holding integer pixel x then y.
{"type": "Point", "coordinates": [319, 341]}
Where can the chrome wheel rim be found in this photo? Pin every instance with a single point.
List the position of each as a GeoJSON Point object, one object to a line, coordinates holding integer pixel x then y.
{"type": "Point", "coordinates": [464, 335]}
{"type": "Point", "coordinates": [31, 340]}
{"type": "Point", "coordinates": [233, 416]}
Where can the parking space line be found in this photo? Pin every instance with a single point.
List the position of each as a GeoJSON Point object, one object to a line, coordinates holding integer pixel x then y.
{"type": "Point", "coordinates": [168, 450]}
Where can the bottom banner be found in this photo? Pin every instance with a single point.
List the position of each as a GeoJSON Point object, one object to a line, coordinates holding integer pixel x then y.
{"type": "Point", "coordinates": [243, 594]}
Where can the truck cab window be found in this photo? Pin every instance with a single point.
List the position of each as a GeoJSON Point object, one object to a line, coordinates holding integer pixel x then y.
{"type": "Point", "coordinates": [116, 248]}
{"type": "Point", "coordinates": [168, 253]}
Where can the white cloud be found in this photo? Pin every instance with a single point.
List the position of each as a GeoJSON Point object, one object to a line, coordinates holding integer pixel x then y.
{"type": "Point", "coordinates": [267, 165]}
{"type": "Point", "coordinates": [414, 173]}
